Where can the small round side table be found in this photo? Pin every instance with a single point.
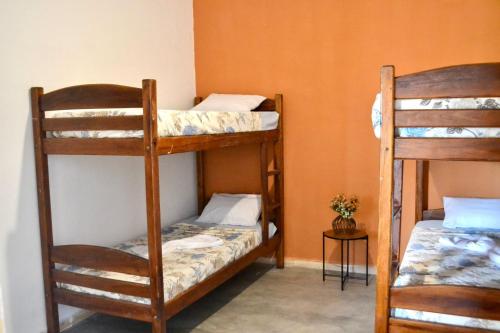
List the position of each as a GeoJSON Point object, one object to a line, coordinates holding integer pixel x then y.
{"type": "Point", "coordinates": [358, 234]}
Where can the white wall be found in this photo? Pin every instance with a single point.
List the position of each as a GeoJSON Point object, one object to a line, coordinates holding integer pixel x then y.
{"type": "Point", "coordinates": [96, 200]}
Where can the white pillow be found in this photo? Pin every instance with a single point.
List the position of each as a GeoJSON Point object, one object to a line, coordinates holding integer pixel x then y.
{"type": "Point", "coordinates": [471, 213]}
{"type": "Point", "coordinates": [232, 209]}
{"type": "Point", "coordinates": [229, 103]}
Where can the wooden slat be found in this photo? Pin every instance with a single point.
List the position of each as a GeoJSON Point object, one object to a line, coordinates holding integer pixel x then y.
{"type": "Point", "coordinates": [412, 326]}
{"type": "Point", "coordinates": [199, 290]}
{"type": "Point", "coordinates": [181, 144]}
{"type": "Point", "coordinates": [475, 80]}
{"type": "Point", "coordinates": [465, 301]}
{"type": "Point", "coordinates": [91, 146]}
{"type": "Point", "coordinates": [384, 255]}
{"type": "Point", "coordinates": [470, 149]}
{"type": "Point", "coordinates": [397, 208]}
{"type": "Point", "coordinates": [433, 214]}
{"type": "Point", "coordinates": [100, 283]}
{"type": "Point", "coordinates": [273, 172]}
{"type": "Point", "coordinates": [448, 118]}
{"type": "Point", "coordinates": [101, 258]}
{"type": "Point", "coordinates": [92, 96]}
{"type": "Point", "coordinates": [119, 123]}
{"type": "Point", "coordinates": [105, 305]}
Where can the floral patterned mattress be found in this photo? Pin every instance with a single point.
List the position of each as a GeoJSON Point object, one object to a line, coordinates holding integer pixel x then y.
{"type": "Point", "coordinates": [184, 268]}
{"type": "Point", "coordinates": [439, 104]}
{"type": "Point", "coordinates": [173, 122]}
{"type": "Point", "coordinates": [427, 262]}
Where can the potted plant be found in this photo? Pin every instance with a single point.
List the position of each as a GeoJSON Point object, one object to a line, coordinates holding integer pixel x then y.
{"type": "Point", "coordinates": [344, 223]}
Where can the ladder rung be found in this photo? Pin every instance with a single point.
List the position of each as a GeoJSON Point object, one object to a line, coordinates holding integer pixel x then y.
{"type": "Point", "coordinates": [273, 172]}
{"type": "Point", "coordinates": [274, 205]}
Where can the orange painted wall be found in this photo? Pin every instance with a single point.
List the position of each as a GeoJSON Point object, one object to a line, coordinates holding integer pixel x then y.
{"type": "Point", "coordinates": [325, 56]}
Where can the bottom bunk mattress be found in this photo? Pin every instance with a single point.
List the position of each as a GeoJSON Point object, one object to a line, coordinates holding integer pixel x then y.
{"type": "Point", "coordinates": [182, 268]}
{"type": "Point", "coordinates": [431, 258]}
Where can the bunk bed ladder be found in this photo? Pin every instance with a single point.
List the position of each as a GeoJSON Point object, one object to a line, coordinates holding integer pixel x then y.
{"type": "Point", "coordinates": [273, 209]}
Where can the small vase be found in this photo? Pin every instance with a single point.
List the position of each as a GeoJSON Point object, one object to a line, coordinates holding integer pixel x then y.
{"type": "Point", "coordinates": [342, 225]}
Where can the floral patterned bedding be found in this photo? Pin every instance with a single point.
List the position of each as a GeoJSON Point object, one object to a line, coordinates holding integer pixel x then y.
{"type": "Point", "coordinates": [439, 104]}
{"type": "Point", "coordinates": [426, 262]}
{"type": "Point", "coordinates": [184, 268]}
{"type": "Point", "coordinates": [173, 122]}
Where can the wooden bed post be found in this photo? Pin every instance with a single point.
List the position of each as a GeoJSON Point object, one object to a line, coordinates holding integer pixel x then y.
{"type": "Point", "coordinates": [44, 211]}
{"type": "Point", "coordinates": [264, 190]}
{"type": "Point", "coordinates": [397, 209]}
{"type": "Point", "coordinates": [279, 182]}
{"type": "Point", "coordinates": [153, 205]}
{"type": "Point", "coordinates": [384, 256]}
{"type": "Point", "coordinates": [421, 189]}
{"type": "Point", "coordinates": [200, 172]}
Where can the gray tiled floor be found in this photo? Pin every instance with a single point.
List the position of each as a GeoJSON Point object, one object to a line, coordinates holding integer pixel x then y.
{"type": "Point", "coordinates": [264, 299]}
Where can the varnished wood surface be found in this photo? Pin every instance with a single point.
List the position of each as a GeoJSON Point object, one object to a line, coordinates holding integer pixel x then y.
{"type": "Point", "coordinates": [118, 123]}
{"type": "Point", "coordinates": [105, 305]}
{"type": "Point", "coordinates": [279, 182]}
{"type": "Point", "coordinates": [449, 149]}
{"type": "Point", "coordinates": [44, 211]}
{"type": "Point", "coordinates": [182, 144]}
{"type": "Point", "coordinates": [100, 283]}
{"type": "Point", "coordinates": [434, 214]}
{"type": "Point", "coordinates": [92, 146]}
{"type": "Point", "coordinates": [152, 180]}
{"type": "Point", "coordinates": [465, 301]}
{"type": "Point", "coordinates": [384, 255]}
{"type": "Point", "coordinates": [413, 326]}
{"type": "Point", "coordinates": [474, 80]}
{"type": "Point", "coordinates": [100, 258]}
{"type": "Point", "coordinates": [397, 207]}
{"type": "Point", "coordinates": [448, 118]}
{"type": "Point", "coordinates": [92, 96]}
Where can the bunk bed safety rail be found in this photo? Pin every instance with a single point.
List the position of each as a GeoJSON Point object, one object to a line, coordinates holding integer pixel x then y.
{"type": "Point", "coordinates": [466, 81]}
{"type": "Point", "coordinates": [103, 259]}
{"type": "Point", "coordinates": [91, 96]}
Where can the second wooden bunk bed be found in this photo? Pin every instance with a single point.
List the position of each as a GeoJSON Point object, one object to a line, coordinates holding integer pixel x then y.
{"type": "Point", "coordinates": [464, 81]}
{"type": "Point", "coordinates": [151, 146]}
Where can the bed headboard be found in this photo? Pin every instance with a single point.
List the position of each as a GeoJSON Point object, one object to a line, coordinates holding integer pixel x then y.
{"type": "Point", "coordinates": [267, 105]}
{"type": "Point", "coordinates": [433, 214]}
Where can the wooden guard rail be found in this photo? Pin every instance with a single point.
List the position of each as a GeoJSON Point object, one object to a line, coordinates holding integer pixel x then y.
{"type": "Point", "coordinates": [468, 301]}
{"type": "Point", "coordinates": [100, 258]}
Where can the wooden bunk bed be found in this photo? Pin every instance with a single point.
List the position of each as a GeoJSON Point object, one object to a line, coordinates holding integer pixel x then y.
{"type": "Point", "coordinates": [151, 146]}
{"type": "Point", "coordinates": [465, 81]}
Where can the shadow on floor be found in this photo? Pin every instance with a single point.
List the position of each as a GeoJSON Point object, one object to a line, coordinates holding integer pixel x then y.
{"type": "Point", "coordinates": [188, 319]}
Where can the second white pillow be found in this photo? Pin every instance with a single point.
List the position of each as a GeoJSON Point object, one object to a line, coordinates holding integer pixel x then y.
{"type": "Point", "coordinates": [229, 103]}
{"type": "Point", "coordinates": [232, 209]}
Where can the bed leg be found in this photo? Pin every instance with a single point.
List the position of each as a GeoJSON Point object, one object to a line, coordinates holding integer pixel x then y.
{"type": "Point", "coordinates": [280, 255]}
{"type": "Point", "coordinates": [159, 325]}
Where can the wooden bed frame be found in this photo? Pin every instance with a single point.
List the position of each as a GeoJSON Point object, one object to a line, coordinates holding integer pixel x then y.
{"type": "Point", "coordinates": [151, 146]}
{"type": "Point", "coordinates": [477, 80]}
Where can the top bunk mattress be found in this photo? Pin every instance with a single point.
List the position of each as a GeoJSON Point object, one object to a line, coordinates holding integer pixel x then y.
{"type": "Point", "coordinates": [173, 122]}
{"type": "Point", "coordinates": [439, 104]}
